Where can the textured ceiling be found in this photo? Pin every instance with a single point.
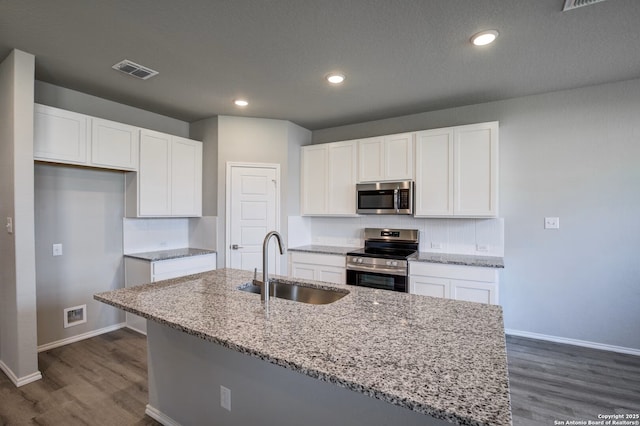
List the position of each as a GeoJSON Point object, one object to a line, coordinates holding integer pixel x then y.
{"type": "Point", "coordinates": [400, 56]}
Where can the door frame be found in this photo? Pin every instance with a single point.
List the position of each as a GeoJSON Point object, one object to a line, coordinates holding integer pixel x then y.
{"type": "Point", "coordinates": [227, 237]}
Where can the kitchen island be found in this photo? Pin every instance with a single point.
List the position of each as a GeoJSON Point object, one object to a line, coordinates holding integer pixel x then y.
{"type": "Point", "coordinates": [372, 357]}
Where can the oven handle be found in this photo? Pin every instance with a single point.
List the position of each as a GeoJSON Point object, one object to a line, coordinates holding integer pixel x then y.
{"type": "Point", "coordinates": [390, 271]}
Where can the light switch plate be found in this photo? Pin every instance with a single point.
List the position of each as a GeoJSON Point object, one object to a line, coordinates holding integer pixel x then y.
{"type": "Point", "coordinates": [551, 223]}
{"type": "Point", "coordinates": [9, 225]}
{"type": "Point", "coordinates": [57, 250]}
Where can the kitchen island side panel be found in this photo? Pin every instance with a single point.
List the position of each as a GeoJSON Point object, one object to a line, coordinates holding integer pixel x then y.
{"type": "Point", "coordinates": [186, 372]}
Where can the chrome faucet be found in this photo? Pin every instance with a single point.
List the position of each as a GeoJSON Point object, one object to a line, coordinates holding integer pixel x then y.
{"type": "Point", "coordinates": [265, 263]}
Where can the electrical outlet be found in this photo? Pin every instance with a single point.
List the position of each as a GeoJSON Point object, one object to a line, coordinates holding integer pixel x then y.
{"type": "Point", "coordinates": [57, 249]}
{"type": "Point", "coordinates": [437, 246]}
{"type": "Point", "coordinates": [225, 398]}
{"type": "Point", "coordinates": [482, 247]}
{"type": "Point", "coordinates": [551, 223]}
{"type": "Point", "coordinates": [9, 225]}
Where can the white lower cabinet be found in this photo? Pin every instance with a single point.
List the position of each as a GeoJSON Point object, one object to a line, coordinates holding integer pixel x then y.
{"type": "Point", "coordinates": [320, 267]}
{"type": "Point", "coordinates": [468, 283]}
{"type": "Point", "coordinates": [140, 271]}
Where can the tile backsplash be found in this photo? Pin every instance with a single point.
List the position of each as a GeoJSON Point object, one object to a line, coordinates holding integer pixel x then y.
{"type": "Point", "coordinates": [462, 236]}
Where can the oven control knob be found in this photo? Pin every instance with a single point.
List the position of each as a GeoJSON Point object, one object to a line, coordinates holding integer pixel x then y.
{"type": "Point", "coordinates": [359, 260]}
{"type": "Point", "coordinates": [394, 263]}
{"type": "Point", "coordinates": [388, 263]}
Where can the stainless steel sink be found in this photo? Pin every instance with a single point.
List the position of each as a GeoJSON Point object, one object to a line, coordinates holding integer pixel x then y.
{"type": "Point", "coordinates": [297, 293]}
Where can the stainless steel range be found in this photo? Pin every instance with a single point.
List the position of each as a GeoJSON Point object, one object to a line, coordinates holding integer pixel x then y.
{"type": "Point", "coordinates": [383, 262]}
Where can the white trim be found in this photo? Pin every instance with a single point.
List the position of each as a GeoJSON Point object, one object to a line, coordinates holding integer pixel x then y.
{"type": "Point", "coordinates": [79, 337]}
{"type": "Point", "coordinates": [19, 381]}
{"type": "Point", "coordinates": [159, 416]}
{"type": "Point", "coordinates": [574, 342]}
{"type": "Point", "coordinates": [227, 235]}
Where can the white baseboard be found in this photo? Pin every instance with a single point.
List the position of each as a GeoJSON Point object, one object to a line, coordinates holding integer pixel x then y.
{"type": "Point", "coordinates": [19, 381]}
{"type": "Point", "coordinates": [159, 416]}
{"type": "Point", "coordinates": [79, 337]}
{"type": "Point", "coordinates": [574, 342]}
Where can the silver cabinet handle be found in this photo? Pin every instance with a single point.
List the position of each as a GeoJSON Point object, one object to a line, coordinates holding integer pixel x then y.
{"type": "Point", "coordinates": [235, 247]}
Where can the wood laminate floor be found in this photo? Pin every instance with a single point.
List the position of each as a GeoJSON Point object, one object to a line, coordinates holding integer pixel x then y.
{"type": "Point", "coordinates": [103, 381]}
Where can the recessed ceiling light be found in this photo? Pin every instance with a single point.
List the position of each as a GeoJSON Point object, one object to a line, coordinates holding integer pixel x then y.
{"type": "Point", "coordinates": [241, 102]}
{"type": "Point", "coordinates": [335, 78]}
{"type": "Point", "coordinates": [484, 37]}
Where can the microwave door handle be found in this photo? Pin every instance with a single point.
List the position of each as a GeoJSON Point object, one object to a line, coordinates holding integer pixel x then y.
{"type": "Point", "coordinates": [396, 199]}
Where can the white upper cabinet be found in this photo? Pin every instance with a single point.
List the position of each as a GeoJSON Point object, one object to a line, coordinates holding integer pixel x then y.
{"type": "Point", "coordinates": [329, 179]}
{"type": "Point", "coordinates": [114, 145]}
{"type": "Point", "coordinates": [314, 181]}
{"type": "Point", "coordinates": [62, 136]}
{"type": "Point", "coordinates": [169, 180]}
{"type": "Point", "coordinates": [386, 158]}
{"type": "Point", "coordinates": [186, 177]}
{"type": "Point", "coordinates": [457, 171]}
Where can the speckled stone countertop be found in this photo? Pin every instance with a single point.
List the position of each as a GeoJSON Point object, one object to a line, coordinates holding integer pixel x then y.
{"type": "Point", "coordinates": [448, 258]}
{"type": "Point", "coordinates": [460, 259]}
{"type": "Point", "coordinates": [315, 248]}
{"type": "Point", "coordinates": [154, 256]}
{"type": "Point", "coordinates": [440, 357]}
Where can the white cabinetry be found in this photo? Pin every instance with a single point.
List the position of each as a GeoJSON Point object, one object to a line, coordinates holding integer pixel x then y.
{"type": "Point", "coordinates": [320, 267]}
{"type": "Point", "coordinates": [469, 283]}
{"type": "Point", "coordinates": [169, 181]}
{"type": "Point", "coordinates": [329, 179]}
{"type": "Point", "coordinates": [114, 145]}
{"type": "Point", "coordinates": [386, 158]}
{"type": "Point", "coordinates": [67, 137]}
{"type": "Point", "coordinates": [140, 271]}
{"type": "Point", "coordinates": [457, 171]}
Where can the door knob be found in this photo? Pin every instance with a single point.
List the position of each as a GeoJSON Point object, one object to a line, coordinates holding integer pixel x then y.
{"type": "Point", "coordinates": [235, 247]}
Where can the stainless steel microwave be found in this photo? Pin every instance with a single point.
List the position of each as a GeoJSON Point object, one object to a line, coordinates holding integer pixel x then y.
{"type": "Point", "coordinates": [385, 198]}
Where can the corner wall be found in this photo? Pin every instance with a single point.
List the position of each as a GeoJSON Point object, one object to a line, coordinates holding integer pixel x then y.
{"type": "Point", "coordinates": [18, 351]}
{"type": "Point", "coordinates": [571, 154]}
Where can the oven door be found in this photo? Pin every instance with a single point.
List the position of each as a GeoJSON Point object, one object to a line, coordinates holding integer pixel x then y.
{"type": "Point", "coordinates": [377, 280]}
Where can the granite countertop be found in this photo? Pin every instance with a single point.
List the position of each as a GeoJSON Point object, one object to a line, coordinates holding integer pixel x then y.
{"type": "Point", "coordinates": [154, 256]}
{"type": "Point", "coordinates": [320, 249]}
{"type": "Point", "coordinates": [440, 357]}
{"type": "Point", "coordinates": [447, 258]}
{"type": "Point", "coordinates": [460, 259]}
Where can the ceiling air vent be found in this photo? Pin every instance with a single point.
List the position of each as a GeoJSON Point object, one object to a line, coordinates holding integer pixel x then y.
{"type": "Point", "coordinates": [573, 4]}
{"type": "Point", "coordinates": [128, 67]}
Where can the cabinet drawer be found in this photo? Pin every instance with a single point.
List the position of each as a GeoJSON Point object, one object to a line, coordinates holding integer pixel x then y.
{"type": "Point", "coordinates": [318, 259]}
{"type": "Point", "coordinates": [166, 269]}
{"type": "Point", "coordinates": [458, 272]}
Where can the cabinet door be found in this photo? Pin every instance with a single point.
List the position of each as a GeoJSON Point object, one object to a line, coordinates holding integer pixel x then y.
{"type": "Point", "coordinates": [476, 170]}
{"type": "Point", "coordinates": [303, 271]}
{"type": "Point", "coordinates": [154, 175]}
{"type": "Point", "coordinates": [60, 136]}
{"type": "Point", "coordinates": [398, 157]}
{"type": "Point", "coordinates": [342, 178]}
{"type": "Point", "coordinates": [434, 173]}
{"type": "Point", "coordinates": [114, 145]}
{"type": "Point", "coordinates": [331, 274]}
{"type": "Point", "coordinates": [314, 180]}
{"type": "Point", "coordinates": [473, 291]}
{"type": "Point", "coordinates": [371, 159]}
{"type": "Point", "coordinates": [186, 177]}
{"type": "Point", "coordinates": [429, 286]}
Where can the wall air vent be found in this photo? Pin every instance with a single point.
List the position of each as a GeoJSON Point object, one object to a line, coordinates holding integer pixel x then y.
{"type": "Point", "coordinates": [573, 4]}
{"type": "Point", "coordinates": [128, 67]}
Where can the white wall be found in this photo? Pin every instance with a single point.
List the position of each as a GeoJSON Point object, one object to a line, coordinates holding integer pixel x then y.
{"type": "Point", "coordinates": [572, 154]}
{"type": "Point", "coordinates": [18, 352]}
{"type": "Point", "coordinates": [81, 209]}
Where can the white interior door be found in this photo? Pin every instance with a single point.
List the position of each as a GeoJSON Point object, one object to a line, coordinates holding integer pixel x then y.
{"type": "Point", "coordinates": [252, 196]}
